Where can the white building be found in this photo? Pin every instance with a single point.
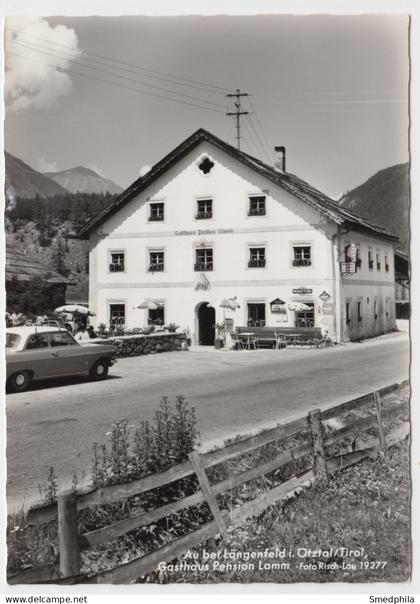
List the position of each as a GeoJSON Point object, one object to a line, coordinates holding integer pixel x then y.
{"type": "Point", "coordinates": [210, 222]}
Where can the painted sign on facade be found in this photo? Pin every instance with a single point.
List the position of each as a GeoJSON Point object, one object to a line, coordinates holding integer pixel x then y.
{"type": "Point", "coordinates": [302, 291]}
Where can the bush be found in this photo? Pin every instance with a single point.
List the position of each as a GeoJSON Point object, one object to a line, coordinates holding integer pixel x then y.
{"type": "Point", "coordinates": [172, 327]}
{"type": "Point", "coordinates": [151, 447]}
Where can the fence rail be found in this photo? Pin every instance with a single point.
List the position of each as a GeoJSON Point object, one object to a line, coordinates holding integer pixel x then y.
{"type": "Point", "coordinates": [314, 438]}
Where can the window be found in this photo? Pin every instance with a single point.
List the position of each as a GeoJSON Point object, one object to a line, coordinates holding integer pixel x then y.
{"type": "Point", "coordinates": [203, 259]}
{"type": "Point", "coordinates": [117, 314]}
{"type": "Point", "coordinates": [204, 209]}
{"type": "Point", "coordinates": [305, 318]}
{"type": "Point", "coordinates": [375, 309]}
{"type": "Point", "coordinates": [387, 308]}
{"type": "Point", "coordinates": [37, 340]}
{"type": "Point", "coordinates": [359, 311]}
{"type": "Point", "coordinates": [386, 263]}
{"type": "Point", "coordinates": [157, 315]}
{"type": "Point", "coordinates": [358, 258]}
{"type": "Point", "coordinates": [62, 338]}
{"type": "Point", "coordinates": [206, 165]}
{"type": "Point", "coordinates": [117, 264]}
{"type": "Point", "coordinates": [157, 211]}
{"type": "Point", "coordinates": [378, 261]}
{"type": "Point", "coordinates": [256, 205]}
{"type": "Point", "coordinates": [156, 261]}
{"type": "Point", "coordinates": [348, 313]}
{"type": "Point", "coordinates": [370, 260]}
{"type": "Point", "coordinates": [256, 257]}
{"type": "Point", "coordinates": [256, 314]}
{"type": "Point", "coordinates": [301, 255]}
{"type": "Point", "coordinates": [12, 340]}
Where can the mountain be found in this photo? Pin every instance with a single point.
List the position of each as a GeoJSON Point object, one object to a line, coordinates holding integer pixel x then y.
{"type": "Point", "coordinates": [83, 180]}
{"type": "Point", "coordinates": [384, 199]}
{"type": "Point", "coordinates": [23, 181]}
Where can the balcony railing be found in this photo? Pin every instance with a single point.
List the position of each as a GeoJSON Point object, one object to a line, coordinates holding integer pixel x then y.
{"type": "Point", "coordinates": [156, 217]}
{"type": "Point", "coordinates": [203, 266]}
{"type": "Point", "coordinates": [347, 268]}
{"type": "Point", "coordinates": [302, 262]}
{"type": "Point", "coordinates": [155, 268]}
{"type": "Point", "coordinates": [116, 268]}
{"type": "Point", "coordinates": [203, 215]}
{"type": "Point", "coordinates": [257, 263]}
{"type": "Point", "coordinates": [256, 212]}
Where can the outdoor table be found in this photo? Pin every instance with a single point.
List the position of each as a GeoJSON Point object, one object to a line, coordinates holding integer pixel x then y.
{"type": "Point", "coordinates": [249, 338]}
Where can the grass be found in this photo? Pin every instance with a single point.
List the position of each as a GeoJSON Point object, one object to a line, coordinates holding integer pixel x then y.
{"type": "Point", "coordinates": [365, 506]}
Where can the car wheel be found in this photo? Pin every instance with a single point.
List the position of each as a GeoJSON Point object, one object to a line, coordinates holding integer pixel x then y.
{"type": "Point", "coordinates": [99, 371]}
{"type": "Point", "coordinates": [19, 381]}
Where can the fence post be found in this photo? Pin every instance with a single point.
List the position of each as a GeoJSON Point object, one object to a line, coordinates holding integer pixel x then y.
{"type": "Point", "coordinates": [68, 534]}
{"type": "Point", "coordinates": [207, 491]}
{"type": "Point", "coordinates": [378, 405]}
{"type": "Point", "coordinates": [320, 462]}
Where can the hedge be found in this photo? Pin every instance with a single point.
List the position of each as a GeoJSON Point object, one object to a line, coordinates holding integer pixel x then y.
{"type": "Point", "coordinates": [133, 346]}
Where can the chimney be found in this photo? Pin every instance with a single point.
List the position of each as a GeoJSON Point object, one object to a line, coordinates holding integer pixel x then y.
{"type": "Point", "coordinates": [280, 159]}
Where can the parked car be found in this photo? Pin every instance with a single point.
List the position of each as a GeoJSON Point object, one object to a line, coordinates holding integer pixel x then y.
{"type": "Point", "coordinates": [35, 353]}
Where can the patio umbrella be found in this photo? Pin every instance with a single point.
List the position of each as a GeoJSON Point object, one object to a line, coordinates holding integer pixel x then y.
{"type": "Point", "coordinates": [299, 306]}
{"type": "Point", "coordinates": [149, 304]}
{"type": "Point", "coordinates": [73, 308]}
{"type": "Point", "coordinates": [229, 303]}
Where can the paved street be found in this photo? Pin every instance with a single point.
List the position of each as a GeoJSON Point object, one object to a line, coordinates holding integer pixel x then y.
{"type": "Point", "coordinates": [233, 393]}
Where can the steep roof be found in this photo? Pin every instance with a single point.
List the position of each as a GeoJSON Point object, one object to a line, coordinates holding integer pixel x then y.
{"type": "Point", "coordinates": [288, 182]}
{"type": "Point", "coordinates": [24, 268]}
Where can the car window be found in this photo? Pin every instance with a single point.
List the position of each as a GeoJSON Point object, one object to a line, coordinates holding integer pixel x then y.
{"type": "Point", "coordinates": [37, 340]}
{"type": "Point", "coordinates": [62, 338]}
{"type": "Point", "coordinates": [12, 340]}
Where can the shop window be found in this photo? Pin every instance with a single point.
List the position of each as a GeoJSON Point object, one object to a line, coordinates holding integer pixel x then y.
{"type": "Point", "coordinates": [203, 259]}
{"type": "Point", "coordinates": [302, 255]}
{"type": "Point", "coordinates": [359, 312]}
{"type": "Point", "coordinates": [156, 261]}
{"type": "Point", "coordinates": [256, 314]}
{"type": "Point", "coordinates": [257, 205]}
{"type": "Point", "coordinates": [305, 318]}
{"type": "Point", "coordinates": [117, 262]}
{"type": "Point", "coordinates": [157, 315]}
{"type": "Point", "coordinates": [204, 209]}
{"type": "Point", "coordinates": [117, 314]}
{"type": "Point", "coordinates": [256, 257]}
{"type": "Point", "coordinates": [157, 211]}
{"type": "Point", "coordinates": [348, 313]}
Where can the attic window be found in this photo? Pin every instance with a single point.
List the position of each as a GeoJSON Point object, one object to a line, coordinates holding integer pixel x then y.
{"type": "Point", "coordinates": [206, 165]}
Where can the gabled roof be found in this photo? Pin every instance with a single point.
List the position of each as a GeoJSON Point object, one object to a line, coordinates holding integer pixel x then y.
{"type": "Point", "coordinates": [289, 182]}
{"type": "Point", "coordinates": [24, 268]}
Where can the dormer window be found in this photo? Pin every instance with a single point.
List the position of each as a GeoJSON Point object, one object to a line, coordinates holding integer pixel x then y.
{"type": "Point", "coordinates": [204, 209]}
{"type": "Point", "coordinates": [257, 205]}
{"type": "Point", "coordinates": [157, 211]}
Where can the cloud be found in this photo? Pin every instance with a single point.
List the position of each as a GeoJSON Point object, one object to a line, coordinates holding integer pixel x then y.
{"type": "Point", "coordinates": [34, 78]}
{"type": "Point", "coordinates": [144, 170]}
{"type": "Point", "coordinates": [47, 166]}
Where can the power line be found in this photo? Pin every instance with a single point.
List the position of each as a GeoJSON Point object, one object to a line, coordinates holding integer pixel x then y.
{"type": "Point", "coordinates": [159, 96]}
{"type": "Point", "coordinates": [187, 96]}
{"type": "Point", "coordinates": [259, 124]}
{"type": "Point", "coordinates": [237, 113]}
{"type": "Point", "coordinates": [259, 140]}
{"type": "Point", "coordinates": [140, 68]}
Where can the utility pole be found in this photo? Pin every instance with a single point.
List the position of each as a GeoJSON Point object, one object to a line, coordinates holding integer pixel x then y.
{"type": "Point", "coordinates": [237, 113]}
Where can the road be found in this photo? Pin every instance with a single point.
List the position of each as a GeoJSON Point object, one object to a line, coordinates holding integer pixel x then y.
{"type": "Point", "coordinates": [232, 392]}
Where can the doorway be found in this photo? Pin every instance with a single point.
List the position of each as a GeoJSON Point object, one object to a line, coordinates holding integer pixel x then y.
{"type": "Point", "coordinates": [206, 316]}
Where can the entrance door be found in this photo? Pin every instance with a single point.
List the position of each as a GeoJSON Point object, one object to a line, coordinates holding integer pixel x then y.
{"type": "Point", "coordinates": [206, 324]}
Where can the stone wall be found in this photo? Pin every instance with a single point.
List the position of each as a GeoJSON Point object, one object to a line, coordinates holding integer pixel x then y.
{"type": "Point", "coordinates": [133, 346]}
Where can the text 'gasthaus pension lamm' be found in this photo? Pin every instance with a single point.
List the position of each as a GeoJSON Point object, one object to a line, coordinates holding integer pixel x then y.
{"type": "Point", "coordinates": [303, 558]}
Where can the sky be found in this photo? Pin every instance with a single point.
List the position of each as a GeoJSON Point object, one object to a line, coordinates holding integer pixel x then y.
{"type": "Point", "coordinates": [90, 91]}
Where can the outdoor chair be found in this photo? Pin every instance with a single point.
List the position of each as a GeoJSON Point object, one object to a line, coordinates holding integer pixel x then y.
{"type": "Point", "coordinates": [281, 341]}
{"type": "Point", "coordinates": [236, 342]}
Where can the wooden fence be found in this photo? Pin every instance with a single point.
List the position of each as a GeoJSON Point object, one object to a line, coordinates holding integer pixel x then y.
{"type": "Point", "coordinates": [314, 438]}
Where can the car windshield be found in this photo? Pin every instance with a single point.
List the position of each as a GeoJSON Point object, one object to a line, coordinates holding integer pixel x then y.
{"type": "Point", "coordinates": [12, 340]}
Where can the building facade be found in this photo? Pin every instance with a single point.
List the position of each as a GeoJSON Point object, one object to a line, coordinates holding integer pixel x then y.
{"type": "Point", "coordinates": [210, 223]}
